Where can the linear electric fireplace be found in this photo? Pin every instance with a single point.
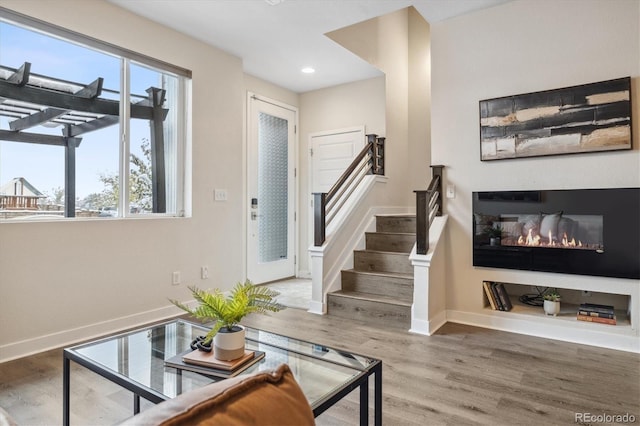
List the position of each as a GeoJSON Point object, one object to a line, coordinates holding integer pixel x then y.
{"type": "Point", "coordinates": [585, 231]}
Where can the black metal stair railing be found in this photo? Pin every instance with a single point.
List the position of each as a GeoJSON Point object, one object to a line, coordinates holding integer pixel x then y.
{"type": "Point", "coordinates": [428, 206]}
{"type": "Point", "coordinates": [327, 204]}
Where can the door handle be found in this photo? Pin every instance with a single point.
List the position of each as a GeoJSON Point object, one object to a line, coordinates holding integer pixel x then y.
{"type": "Point", "coordinates": [255, 215]}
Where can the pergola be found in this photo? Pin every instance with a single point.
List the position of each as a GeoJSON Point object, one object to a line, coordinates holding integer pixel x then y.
{"type": "Point", "coordinates": [30, 100]}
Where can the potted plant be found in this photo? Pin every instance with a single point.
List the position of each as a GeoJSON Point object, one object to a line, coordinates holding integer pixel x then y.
{"type": "Point", "coordinates": [495, 235]}
{"type": "Point", "coordinates": [551, 302]}
{"type": "Point", "coordinates": [227, 311]}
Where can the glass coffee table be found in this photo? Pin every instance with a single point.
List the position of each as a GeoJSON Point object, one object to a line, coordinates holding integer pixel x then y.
{"type": "Point", "coordinates": [136, 361]}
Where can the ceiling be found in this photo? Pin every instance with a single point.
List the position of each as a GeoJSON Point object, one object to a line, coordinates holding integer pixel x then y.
{"type": "Point", "coordinates": [276, 41]}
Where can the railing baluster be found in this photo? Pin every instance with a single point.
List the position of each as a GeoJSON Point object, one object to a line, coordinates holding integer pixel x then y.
{"type": "Point", "coordinates": [436, 171]}
{"type": "Point", "coordinates": [428, 206]}
{"type": "Point", "coordinates": [422, 225]}
{"type": "Point", "coordinates": [372, 149]}
{"type": "Point", "coordinates": [319, 226]}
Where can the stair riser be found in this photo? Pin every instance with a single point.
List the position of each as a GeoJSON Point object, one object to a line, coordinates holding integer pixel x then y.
{"type": "Point", "coordinates": [369, 311]}
{"type": "Point", "coordinates": [406, 224]}
{"type": "Point", "coordinates": [398, 243]}
{"type": "Point", "coordinates": [397, 287]}
{"type": "Point", "coordinates": [382, 262]}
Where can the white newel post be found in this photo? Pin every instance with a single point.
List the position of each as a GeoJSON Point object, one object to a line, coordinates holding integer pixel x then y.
{"type": "Point", "coordinates": [420, 306]}
{"type": "Point", "coordinates": [428, 311]}
{"type": "Point", "coordinates": [317, 305]}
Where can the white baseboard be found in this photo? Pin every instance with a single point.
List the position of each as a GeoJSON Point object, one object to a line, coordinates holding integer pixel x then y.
{"type": "Point", "coordinates": [531, 327]}
{"type": "Point", "coordinates": [428, 328]}
{"type": "Point", "coordinates": [304, 274]}
{"type": "Point", "coordinates": [317, 308]}
{"type": "Point", "coordinates": [73, 336]}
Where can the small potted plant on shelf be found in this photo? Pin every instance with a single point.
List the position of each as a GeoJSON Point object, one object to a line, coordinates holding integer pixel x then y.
{"type": "Point", "coordinates": [495, 235]}
{"type": "Point", "coordinates": [226, 334]}
{"type": "Point", "coordinates": [551, 302]}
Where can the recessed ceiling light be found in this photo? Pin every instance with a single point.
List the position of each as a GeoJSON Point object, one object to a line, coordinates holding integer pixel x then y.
{"type": "Point", "coordinates": [274, 2]}
{"type": "Point", "coordinates": [308, 70]}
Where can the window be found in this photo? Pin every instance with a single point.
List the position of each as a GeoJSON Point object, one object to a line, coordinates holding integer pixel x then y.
{"type": "Point", "coordinates": [87, 129]}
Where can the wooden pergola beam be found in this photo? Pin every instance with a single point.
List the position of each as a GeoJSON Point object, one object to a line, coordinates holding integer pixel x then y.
{"type": "Point", "coordinates": [90, 126]}
{"type": "Point", "coordinates": [69, 101]}
{"type": "Point", "coordinates": [21, 76]}
{"type": "Point", "coordinates": [91, 91]}
{"type": "Point", "coordinates": [36, 119]}
{"type": "Point", "coordinates": [7, 135]}
{"type": "Point", "coordinates": [70, 177]}
{"type": "Point", "coordinates": [158, 178]}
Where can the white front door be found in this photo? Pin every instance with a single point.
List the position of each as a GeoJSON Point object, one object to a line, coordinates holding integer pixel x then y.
{"type": "Point", "coordinates": [271, 190]}
{"type": "Point", "coordinates": [331, 154]}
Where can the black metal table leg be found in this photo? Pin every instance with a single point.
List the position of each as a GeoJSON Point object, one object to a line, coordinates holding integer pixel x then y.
{"type": "Point", "coordinates": [378, 395]}
{"type": "Point", "coordinates": [65, 390]}
{"type": "Point", "coordinates": [136, 403]}
{"type": "Point", "coordinates": [364, 402]}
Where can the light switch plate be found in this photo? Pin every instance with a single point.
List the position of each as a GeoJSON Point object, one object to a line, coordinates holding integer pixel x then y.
{"type": "Point", "coordinates": [451, 191]}
{"type": "Point", "coordinates": [220, 194]}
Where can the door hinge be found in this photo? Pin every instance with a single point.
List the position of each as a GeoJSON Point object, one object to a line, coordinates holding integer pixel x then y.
{"type": "Point", "coordinates": [295, 172]}
{"type": "Point", "coordinates": [311, 152]}
{"type": "Point", "coordinates": [295, 129]}
{"type": "Point", "coordinates": [295, 216]}
{"type": "Point", "coordinates": [295, 259]}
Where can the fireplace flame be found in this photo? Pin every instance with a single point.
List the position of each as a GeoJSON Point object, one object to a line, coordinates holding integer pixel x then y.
{"type": "Point", "coordinates": [531, 240]}
{"type": "Point", "coordinates": [536, 241]}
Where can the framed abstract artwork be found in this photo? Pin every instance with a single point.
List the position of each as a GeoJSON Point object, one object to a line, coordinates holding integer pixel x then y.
{"type": "Point", "coordinates": [578, 119]}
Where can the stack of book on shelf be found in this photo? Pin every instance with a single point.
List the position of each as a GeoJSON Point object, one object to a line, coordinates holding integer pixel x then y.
{"type": "Point", "coordinates": [205, 363]}
{"type": "Point", "coordinates": [603, 314]}
{"type": "Point", "coordinates": [497, 295]}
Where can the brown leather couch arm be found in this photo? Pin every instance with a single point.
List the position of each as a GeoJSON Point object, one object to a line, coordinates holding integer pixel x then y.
{"type": "Point", "coordinates": [266, 398]}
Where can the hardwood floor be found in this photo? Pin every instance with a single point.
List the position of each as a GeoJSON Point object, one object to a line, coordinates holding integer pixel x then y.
{"type": "Point", "coordinates": [463, 375]}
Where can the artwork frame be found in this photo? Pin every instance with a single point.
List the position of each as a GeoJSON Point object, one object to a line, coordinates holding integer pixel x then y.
{"type": "Point", "coordinates": [591, 117]}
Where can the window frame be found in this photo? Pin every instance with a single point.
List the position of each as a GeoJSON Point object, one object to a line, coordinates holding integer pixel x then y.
{"type": "Point", "coordinates": [126, 58]}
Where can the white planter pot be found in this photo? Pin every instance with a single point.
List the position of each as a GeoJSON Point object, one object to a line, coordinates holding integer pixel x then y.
{"type": "Point", "coordinates": [229, 345]}
{"type": "Point", "coordinates": [551, 307]}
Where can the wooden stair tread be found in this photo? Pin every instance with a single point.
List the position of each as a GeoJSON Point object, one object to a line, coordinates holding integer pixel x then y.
{"type": "Point", "coordinates": [396, 253]}
{"type": "Point", "coordinates": [379, 286]}
{"type": "Point", "coordinates": [391, 233]}
{"type": "Point", "coordinates": [394, 215]}
{"type": "Point", "coordinates": [382, 273]}
{"type": "Point", "coordinates": [372, 297]}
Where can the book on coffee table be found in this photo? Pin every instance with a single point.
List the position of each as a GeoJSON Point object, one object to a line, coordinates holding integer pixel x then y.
{"type": "Point", "coordinates": [207, 359]}
{"type": "Point", "coordinates": [206, 364]}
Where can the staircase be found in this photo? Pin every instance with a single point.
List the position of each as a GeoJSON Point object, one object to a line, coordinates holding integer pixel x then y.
{"type": "Point", "coordinates": [379, 289]}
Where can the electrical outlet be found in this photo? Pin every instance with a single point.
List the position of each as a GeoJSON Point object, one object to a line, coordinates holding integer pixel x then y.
{"type": "Point", "coordinates": [204, 272]}
{"type": "Point", "coordinates": [175, 278]}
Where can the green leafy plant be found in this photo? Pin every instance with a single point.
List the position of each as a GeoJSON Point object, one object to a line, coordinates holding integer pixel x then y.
{"type": "Point", "coordinates": [552, 295]}
{"type": "Point", "coordinates": [228, 310]}
{"type": "Point", "coordinates": [494, 231]}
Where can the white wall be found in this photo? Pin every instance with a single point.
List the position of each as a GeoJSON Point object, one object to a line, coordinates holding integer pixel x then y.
{"type": "Point", "coordinates": [64, 281]}
{"type": "Point", "coordinates": [419, 99]}
{"type": "Point", "coordinates": [270, 90]}
{"type": "Point", "coordinates": [346, 105]}
{"type": "Point", "coordinates": [384, 43]}
{"type": "Point", "coordinates": [519, 47]}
